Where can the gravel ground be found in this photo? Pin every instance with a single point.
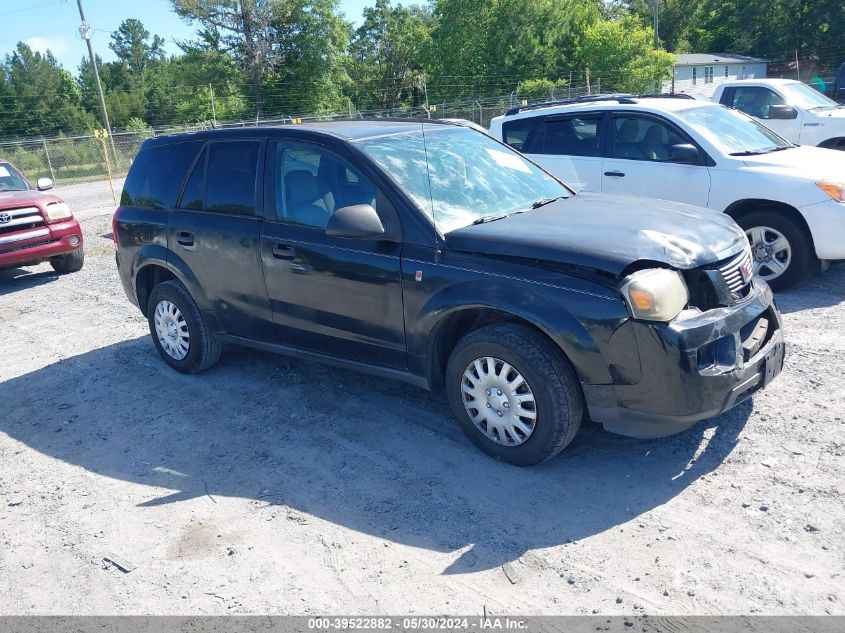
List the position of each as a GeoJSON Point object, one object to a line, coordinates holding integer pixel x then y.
{"type": "Point", "coordinates": [276, 486]}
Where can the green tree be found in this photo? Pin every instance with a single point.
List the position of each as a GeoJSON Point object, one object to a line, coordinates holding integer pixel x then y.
{"type": "Point", "coordinates": [388, 53]}
{"type": "Point", "coordinates": [132, 45]}
{"type": "Point", "coordinates": [244, 29]}
{"type": "Point", "coordinates": [484, 46]}
{"type": "Point", "coordinates": [42, 97]}
{"type": "Point", "coordinates": [539, 89]}
{"type": "Point", "coordinates": [620, 54]}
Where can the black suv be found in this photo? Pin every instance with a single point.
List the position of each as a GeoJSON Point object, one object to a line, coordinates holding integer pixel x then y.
{"type": "Point", "coordinates": [430, 252]}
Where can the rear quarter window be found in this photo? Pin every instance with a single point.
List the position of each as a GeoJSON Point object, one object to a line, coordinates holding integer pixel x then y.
{"type": "Point", "coordinates": [157, 174]}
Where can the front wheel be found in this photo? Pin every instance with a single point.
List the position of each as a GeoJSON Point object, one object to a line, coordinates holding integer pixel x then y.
{"type": "Point", "coordinates": [70, 263]}
{"type": "Point", "coordinates": [514, 393]}
{"type": "Point", "coordinates": [780, 249]}
{"type": "Point", "coordinates": [178, 329]}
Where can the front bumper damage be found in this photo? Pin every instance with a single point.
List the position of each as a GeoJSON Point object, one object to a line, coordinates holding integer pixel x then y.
{"type": "Point", "coordinates": [692, 369]}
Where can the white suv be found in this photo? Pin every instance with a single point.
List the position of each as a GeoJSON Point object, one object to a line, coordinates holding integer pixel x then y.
{"type": "Point", "coordinates": [796, 111]}
{"type": "Point", "coordinates": [790, 200]}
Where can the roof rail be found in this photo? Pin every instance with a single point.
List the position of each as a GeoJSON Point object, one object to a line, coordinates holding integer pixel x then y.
{"type": "Point", "coordinates": [620, 97]}
{"type": "Point", "coordinates": [616, 96]}
{"type": "Point", "coordinates": [666, 95]}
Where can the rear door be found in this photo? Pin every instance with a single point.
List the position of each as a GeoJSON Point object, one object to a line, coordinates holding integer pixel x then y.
{"type": "Point", "coordinates": [638, 161]}
{"type": "Point", "coordinates": [570, 147]}
{"type": "Point", "coordinates": [330, 295]}
{"type": "Point", "coordinates": [215, 230]}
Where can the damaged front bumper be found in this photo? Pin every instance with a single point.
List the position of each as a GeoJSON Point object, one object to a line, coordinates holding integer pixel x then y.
{"type": "Point", "coordinates": [692, 369]}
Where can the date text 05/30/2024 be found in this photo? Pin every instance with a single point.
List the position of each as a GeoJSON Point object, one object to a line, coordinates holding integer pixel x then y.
{"type": "Point", "coordinates": [481, 623]}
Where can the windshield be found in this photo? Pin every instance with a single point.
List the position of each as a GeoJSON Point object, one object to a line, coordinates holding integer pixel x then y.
{"type": "Point", "coordinates": [11, 179]}
{"type": "Point", "coordinates": [733, 131]}
{"type": "Point", "coordinates": [458, 176]}
{"type": "Point", "coordinates": [805, 97]}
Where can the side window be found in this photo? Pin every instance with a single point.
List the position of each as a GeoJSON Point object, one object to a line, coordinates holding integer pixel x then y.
{"type": "Point", "coordinates": [571, 136]}
{"type": "Point", "coordinates": [643, 138]}
{"type": "Point", "coordinates": [520, 133]}
{"type": "Point", "coordinates": [194, 195]}
{"type": "Point", "coordinates": [230, 177]}
{"type": "Point", "coordinates": [311, 183]}
{"type": "Point", "coordinates": [755, 101]}
{"type": "Point", "coordinates": [157, 174]}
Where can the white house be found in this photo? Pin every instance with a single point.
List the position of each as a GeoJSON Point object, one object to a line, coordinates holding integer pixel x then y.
{"type": "Point", "coordinates": [698, 74]}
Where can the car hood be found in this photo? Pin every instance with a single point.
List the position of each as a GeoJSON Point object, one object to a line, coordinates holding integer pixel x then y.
{"type": "Point", "coordinates": [833, 113]}
{"type": "Point", "coordinates": [607, 233]}
{"type": "Point", "coordinates": [816, 163]}
{"type": "Point", "coordinates": [12, 199]}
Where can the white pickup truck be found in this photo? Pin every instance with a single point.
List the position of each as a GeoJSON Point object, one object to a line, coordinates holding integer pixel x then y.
{"type": "Point", "coordinates": [797, 112]}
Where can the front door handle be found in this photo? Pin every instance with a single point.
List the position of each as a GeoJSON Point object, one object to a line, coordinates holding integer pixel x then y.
{"type": "Point", "coordinates": [283, 251]}
{"type": "Point", "coordinates": [615, 174]}
{"type": "Point", "coordinates": [184, 238]}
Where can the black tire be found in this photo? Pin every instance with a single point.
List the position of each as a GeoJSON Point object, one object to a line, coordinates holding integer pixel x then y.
{"type": "Point", "coordinates": [69, 263]}
{"type": "Point", "coordinates": [548, 373]}
{"type": "Point", "coordinates": [799, 244]}
{"type": "Point", "coordinates": [204, 348]}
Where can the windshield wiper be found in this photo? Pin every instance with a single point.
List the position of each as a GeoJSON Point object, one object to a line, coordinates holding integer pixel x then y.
{"type": "Point", "coordinates": [544, 201]}
{"type": "Point", "coordinates": [534, 205]}
{"type": "Point", "coordinates": [757, 152]}
{"type": "Point", "coordinates": [493, 218]}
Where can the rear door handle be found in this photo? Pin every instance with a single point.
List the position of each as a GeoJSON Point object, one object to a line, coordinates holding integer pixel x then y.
{"type": "Point", "coordinates": [615, 174]}
{"type": "Point", "coordinates": [184, 238]}
{"type": "Point", "coordinates": [283, 251]}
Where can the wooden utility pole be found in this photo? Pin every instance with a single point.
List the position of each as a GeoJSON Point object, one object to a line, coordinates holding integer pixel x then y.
{"type": "Point", "coordinates": [85, 32]}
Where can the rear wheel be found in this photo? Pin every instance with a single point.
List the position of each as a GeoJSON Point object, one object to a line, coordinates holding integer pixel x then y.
{"type": "Point", "coordinates": [178, 329]}
{"type": "Point", "coordinates": [780, 249]}
{"type": "Point", "coordinates": [70, 263]}
{"type": "Point", "coordinates": [514, 393]}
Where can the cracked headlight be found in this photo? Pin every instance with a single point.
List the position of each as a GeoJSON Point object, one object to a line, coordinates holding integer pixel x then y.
{"type": "Point", "coordinates": [655, 294]}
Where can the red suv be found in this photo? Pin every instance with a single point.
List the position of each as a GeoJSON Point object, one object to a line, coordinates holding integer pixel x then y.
{"type": "Point", "coordinates": [36, 226]}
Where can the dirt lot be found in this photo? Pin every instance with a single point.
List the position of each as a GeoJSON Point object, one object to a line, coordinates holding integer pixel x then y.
{"type": "Point", "coordinates": [277, 486]}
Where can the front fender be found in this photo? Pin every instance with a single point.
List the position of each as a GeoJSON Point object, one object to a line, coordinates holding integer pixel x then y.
{"type": "Point", "coordinates": [579, 322]}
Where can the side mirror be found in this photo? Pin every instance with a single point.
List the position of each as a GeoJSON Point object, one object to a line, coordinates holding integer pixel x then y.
{"type": "Point", "coordinates": [782, 111]}
{"type": "Point", "coordinates": [357, 221]}
{"type": "Point", "coordinates": [684, 153]}
{"type": "Point", "coordinates": [44, 184]}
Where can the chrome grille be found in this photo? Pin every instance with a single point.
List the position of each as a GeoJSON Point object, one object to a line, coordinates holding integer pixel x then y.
{"type": "Point", "coordinates": [21, 218]}
{"type": "Point", "coordinates": [737, 272]}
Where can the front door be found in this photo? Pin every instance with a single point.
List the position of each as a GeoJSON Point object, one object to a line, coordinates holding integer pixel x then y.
{"type": "Point", "coordinates": [638, 161]}
{"type": "Point", "coordinates": [215, 230]}
{"type": "Point", "coordinates": [330, 295]}
{"type": "Point", "coordinates": [756, 101]}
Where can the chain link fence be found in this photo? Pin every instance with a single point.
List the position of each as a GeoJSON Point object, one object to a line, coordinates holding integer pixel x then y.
{"type": "Point", "coordinates": [83, 158]}
{"type": "Point", "coordinates": [71, 159]}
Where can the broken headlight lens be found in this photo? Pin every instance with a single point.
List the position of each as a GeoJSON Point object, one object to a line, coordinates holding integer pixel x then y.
{"type": "Point", "coordinates": [655, 294]}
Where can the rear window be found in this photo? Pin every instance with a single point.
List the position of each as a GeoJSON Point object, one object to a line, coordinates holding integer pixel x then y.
{"type": "Point", "coordinates": [157, 174]}
{"type": "Point", "coordinates": [520, 133]}
{"type": "Point", "coordinates": [230, 177]}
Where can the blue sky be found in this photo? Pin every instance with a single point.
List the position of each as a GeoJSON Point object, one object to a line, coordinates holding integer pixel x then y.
{"type": "Point", "coordinates": [54, 24]}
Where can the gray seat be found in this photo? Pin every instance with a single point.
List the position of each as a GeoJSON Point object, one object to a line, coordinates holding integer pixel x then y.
{"type": "Point", "coordinates": [656, 143]}
{"type": "Point", "coordinates": [625, 143]}
{"type": "Point", "coordinates": [304, 204]}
